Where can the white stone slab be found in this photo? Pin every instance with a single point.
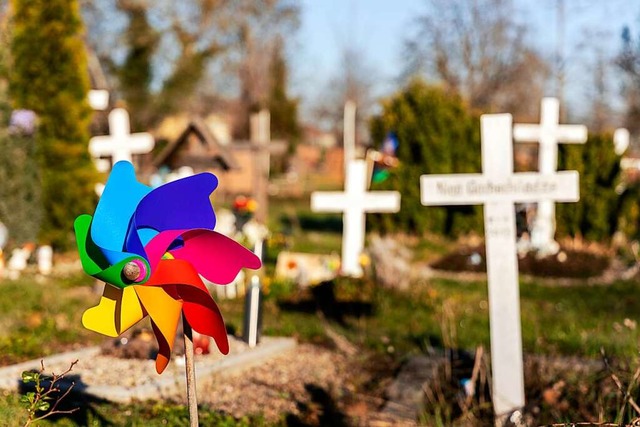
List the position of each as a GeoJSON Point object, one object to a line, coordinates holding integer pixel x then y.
{"type": "Point", "coordinates": [621, 139]}
{"type": "Point", "coordinates": [354, 203]}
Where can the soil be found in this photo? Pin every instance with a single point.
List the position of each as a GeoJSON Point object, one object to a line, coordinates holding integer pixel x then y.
{"type": "Point", "coordinates": [568, 263]}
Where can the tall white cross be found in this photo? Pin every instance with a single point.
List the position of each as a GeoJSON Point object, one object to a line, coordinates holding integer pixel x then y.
{"type": "Point", "coordinates": [121, 144]}
{"type": "Point", "coordinates": [355, 201]}
{"type": "Point", "coordinates": [498, 188]}
{"type": "Point", "coordinates": [549, 133]}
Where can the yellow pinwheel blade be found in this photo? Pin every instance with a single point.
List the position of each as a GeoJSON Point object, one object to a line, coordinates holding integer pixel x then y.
{"type": "Point", "coordinates": [118, 310]}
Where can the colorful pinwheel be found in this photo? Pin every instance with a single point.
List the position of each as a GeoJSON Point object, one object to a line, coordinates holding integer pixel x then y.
{"type": "Point", "coordinates": [150, 247]}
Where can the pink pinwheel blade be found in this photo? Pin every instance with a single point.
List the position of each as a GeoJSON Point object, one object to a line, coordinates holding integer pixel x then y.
{"type": "Point", "coordinates": [215, 256]}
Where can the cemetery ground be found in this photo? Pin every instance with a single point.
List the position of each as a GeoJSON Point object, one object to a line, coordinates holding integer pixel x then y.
{"type": "Point", "coordinates": [355, 338]}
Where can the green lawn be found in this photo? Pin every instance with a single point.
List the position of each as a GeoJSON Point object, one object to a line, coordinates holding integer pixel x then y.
{"type": "Point", "coordinates": [38, 319]}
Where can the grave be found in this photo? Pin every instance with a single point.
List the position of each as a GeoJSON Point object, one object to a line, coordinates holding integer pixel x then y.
{"type": "Point", "coordinates": [499, 188]}
{"type": "Point", "coordinates": [549, 133]}
{"type": "Point", "coordinates": [125, 380]}
{"type": "Point", "coordinates": [354, 203]}
{"type": "Point", "coordinates": [306, 269]}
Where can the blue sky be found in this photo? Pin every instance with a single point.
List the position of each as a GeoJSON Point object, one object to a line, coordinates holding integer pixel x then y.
{"type": "Point", "coordinates": [378, 27]}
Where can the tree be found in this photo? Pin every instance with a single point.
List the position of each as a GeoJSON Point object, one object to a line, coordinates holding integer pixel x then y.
{"type": "Point", "coordinates": [49, 77]}
{"type": "Point", "coordinates": [181, 41]}
{"type": "Point", "coordinates": [436, 134]}
{"type": "Point", "coordinates": [628, 61]}
{"type": "Point", "coordinates": [135, 73]}
{"type": "Point", "coordinates": [596, 216]}
{"type": "Point", "coordinates": [354, 81]}
{"type": "Point", "coordinates": [283, 109]}
{"type": "Point", "coordinates": [478, 49]}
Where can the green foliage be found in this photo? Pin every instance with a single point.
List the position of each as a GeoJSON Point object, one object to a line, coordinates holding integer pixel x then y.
{"type": "Point", "coordinates": [135, 74]}
{"type": "Point", "coordinates": [284, 110]}
{"type": "Point", "coordinates": [44, 400]}
{"type": "Point", "coordinates": [49, 76]}
{"type": "Point", "coordinates": [595, 216]}
{"type": "Point", "coordinates": [436, 134]}
{"type": "Point", "coordinates": [20, 194]}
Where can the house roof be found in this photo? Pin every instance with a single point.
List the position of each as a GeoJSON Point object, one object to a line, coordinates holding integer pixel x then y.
{"type": "Point", "coordinates": [199, 128]}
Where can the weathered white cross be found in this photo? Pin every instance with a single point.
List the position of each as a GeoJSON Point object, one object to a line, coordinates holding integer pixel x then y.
{"type": "Point", "coordinates": [355, 201]}
{"type": "Point", "coordinates": [121, 143]}
{"type": "Point", "coordinates": [498, 188]}
{"type": "Point", "coordinates": [549, 133]}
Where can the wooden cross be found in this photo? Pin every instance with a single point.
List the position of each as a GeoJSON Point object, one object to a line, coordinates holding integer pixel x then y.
{"type": "Point", "coordinates": [549, 133]}
{"type": "Point", "coordinates": [349, 133]}
{"type": "Point", "coordinates": [498, 188]}
{"type": "Point", "coordinates": [260, 124]}
{"type": "Point", "coordinates": [121, 144]}
{"type": "Point", "coordinates": [354, 202]}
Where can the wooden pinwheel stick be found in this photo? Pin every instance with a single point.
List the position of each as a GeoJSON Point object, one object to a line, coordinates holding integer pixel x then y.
{"type": "Point", "coordinates": [190, 369]}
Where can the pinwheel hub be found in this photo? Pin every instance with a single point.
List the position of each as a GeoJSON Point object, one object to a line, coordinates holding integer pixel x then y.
{"type": "Point", "coordinates": [134, 271]}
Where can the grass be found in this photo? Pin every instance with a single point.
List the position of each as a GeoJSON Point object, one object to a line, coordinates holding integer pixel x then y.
{"type": "Point", "coordinates": [43, 318]}
{"type": "Point", "coordinates": [37, 319]}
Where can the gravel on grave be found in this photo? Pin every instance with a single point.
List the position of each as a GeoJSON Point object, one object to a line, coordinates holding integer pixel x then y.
{"type": "Point", "coordinates": [107, 370]}
{"type": "Point", "coordinates": [285, 384]}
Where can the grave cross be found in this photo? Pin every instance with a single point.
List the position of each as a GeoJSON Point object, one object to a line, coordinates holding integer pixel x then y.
{"type": "Point", "coordinates": [498, 188]}
{"type": "Point", "coordinates": [354, 202]}
{"type": "Point", "coordinates": [549, 133]}
{"type": "Point", "coordinates": [260, 130]}
{"type": "Point", "coordinates": [121, 143]}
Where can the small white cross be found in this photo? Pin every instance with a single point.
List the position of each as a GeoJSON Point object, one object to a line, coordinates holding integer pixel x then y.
{"type": "Point", "coordinates": [549, 133]}
{"type": "Point", "coordinates": [355, 201]}
{"type": "Point", "coordinates": [121, 144]}
{"type": "Point", "coordinates": [498, 188]}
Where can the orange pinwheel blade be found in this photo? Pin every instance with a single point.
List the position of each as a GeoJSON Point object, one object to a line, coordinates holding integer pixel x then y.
{"type": "Point", "coordinates": [164, 312]}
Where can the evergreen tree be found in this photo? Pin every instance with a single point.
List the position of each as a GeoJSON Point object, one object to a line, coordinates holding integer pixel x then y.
{"type": "Point", "coordinates": [49, 76]}
{"type": "Point", "coordinates": [595, 216]}
{"type": "Point", "coordinates": [20, 193]}
{"type": "Point", "coordinates": [436, 134]}
{"type": "Point", "coordinates": [284, 110]}
{"type": "Point", "coordinates": [20, 203]}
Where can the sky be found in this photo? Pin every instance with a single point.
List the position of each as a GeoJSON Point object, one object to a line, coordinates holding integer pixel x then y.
{"type": "Point", "coordinates": [379, 27]}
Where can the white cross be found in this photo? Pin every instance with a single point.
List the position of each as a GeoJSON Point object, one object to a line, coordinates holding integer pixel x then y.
{"type": "Point", "coordinates": [121, 143]}
{"type": "Point", "coordinates": [355, 201]}
{"type": "Point", "coordinates": [498, 188]}
{"type": "Point", "coordinates": [549, 133]}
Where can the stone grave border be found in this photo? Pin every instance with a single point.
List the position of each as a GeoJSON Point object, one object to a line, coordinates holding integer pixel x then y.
{"type": "Point", "coordinates": [167, 385]}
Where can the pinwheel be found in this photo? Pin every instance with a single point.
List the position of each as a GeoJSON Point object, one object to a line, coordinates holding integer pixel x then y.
{"type": "Point", "coordinates": [151, 247]}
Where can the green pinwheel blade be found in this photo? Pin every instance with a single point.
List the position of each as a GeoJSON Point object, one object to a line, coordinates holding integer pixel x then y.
{"type": "Point", "coordinates": [93, 261]}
